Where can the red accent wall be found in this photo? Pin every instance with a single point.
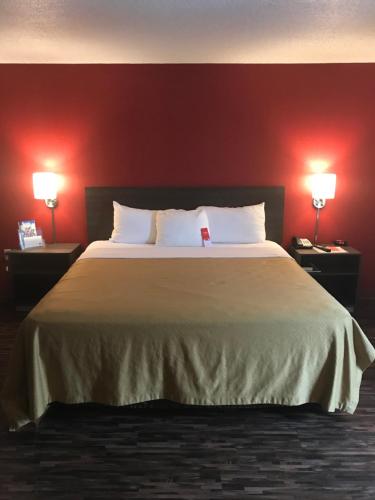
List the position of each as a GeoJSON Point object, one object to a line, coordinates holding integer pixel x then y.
{"type": "Point", "coordinates": [159, 125]}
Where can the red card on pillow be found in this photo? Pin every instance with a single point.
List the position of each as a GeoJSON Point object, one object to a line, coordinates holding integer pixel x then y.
{"type": "Point", "coordinates": [205, 234]}
{"type": "Point", "coordinates": [206, 240]}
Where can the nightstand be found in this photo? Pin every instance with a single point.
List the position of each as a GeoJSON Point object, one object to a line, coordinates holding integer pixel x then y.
{"type": "Point", "coordinates": [35, 271]}
{"type": "Point", "coordinates": [337, 272]}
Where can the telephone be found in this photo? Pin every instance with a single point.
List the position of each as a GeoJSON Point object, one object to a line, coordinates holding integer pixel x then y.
{"type": "Point", "coordinates": [298, 242]}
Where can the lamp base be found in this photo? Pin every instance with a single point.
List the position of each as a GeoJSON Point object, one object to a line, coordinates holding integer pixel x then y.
{"type": "Point", "coordinates": [319, 202]}
{"type": "Point", "coordinates": [51, 202]}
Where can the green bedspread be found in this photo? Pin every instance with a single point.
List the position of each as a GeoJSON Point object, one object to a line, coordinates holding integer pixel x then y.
{"type": "Point", "coordinates": [197, 331]}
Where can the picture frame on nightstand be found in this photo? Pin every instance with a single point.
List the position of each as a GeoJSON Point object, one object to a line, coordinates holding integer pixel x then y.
{"type": "Point", "coordinates": [28, 235]}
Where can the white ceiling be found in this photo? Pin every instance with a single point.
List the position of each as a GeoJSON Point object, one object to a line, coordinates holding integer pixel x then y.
{"type": "Point", "coordinates": [187, 31]}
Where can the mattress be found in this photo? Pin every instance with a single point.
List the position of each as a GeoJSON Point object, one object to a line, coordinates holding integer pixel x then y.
{"type": "Point", "coordinates": [224, 325]}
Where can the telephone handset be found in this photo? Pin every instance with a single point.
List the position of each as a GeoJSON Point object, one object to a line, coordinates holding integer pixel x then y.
{"type": "Point", "coordinates": [301, 242]}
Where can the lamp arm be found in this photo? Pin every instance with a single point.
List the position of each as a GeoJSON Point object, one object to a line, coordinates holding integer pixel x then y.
{"type": "Point", "coordinates": [52, 204]}
{"type": "Point", "coordinates": [316, 226]}
{"type": "Point", "coordinates": [318, 204]}
{"type": "Point", "coordinates": [53, 225]}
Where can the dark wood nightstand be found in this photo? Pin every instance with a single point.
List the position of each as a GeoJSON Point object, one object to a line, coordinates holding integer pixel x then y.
{"type": "Point", "coordinates": [35, 271]}
{"type": "Point", "coordinates": [337, 272]}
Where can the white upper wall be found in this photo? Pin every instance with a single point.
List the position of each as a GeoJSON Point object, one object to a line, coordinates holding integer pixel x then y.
{"type": "Point", "coordinates": [187, 31]}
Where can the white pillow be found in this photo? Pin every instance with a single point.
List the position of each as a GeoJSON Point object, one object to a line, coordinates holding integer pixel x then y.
{"type": "Point", "coordinates": [237, 225]}
{"type": "Point", "coordinates": [133, 225]}
{"type": "Point", "coordinates": [180, 228]}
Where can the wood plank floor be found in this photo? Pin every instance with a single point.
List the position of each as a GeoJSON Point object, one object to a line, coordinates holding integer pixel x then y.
{"type": "Point", "coordinates": [90, 452]}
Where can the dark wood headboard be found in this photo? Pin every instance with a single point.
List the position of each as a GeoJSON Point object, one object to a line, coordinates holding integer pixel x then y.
{"type": "Point", "coordinates": [100, 210]}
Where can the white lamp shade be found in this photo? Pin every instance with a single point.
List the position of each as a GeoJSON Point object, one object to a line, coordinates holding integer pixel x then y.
{"type": "Point", "coordinates": [323, 186]}
{"type": "Point", "coordinates": [45, 185]}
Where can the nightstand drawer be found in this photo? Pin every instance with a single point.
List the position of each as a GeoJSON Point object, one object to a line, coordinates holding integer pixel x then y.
{"type": "Point", "coordinates": [337, 272]}
{"type": "Point", "coordinates": [30, 288]}
{"type": "Point", "coordinates": [331, 263]}
{"type": "Point", "coordinates": [38, 263]}
{"type": "Point", "coordinates": [36, 270]}
{"type": "Point", "coordinates": [342, 287]}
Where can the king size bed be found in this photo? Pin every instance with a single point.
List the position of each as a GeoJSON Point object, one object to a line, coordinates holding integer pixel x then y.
{"type": "Point", "coordinates": [227, 324]}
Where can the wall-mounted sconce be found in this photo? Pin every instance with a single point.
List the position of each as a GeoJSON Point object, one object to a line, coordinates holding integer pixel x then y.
{"type": "Point", "coordinates": [45, 188]}
{"type": "Point", "coordinates": [323, 187]}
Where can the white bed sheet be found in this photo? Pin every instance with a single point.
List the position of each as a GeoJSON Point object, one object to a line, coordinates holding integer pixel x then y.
{"type": "Point", "coordinates": [108, 250]}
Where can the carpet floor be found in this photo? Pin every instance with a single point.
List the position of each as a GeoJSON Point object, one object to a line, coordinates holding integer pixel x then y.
{"type": "Point", "coordinates": [96, 452]}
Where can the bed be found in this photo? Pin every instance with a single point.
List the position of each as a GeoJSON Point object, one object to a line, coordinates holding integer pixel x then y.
{"type": "Point", "coordinates": [225, 325]}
